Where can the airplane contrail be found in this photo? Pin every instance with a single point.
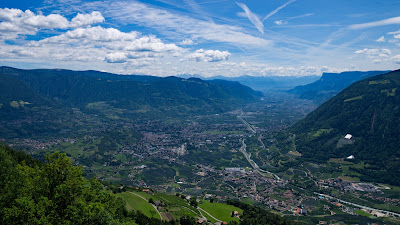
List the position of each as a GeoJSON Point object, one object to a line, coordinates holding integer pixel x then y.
{"type": "Point", "coordinates": [277, 9]}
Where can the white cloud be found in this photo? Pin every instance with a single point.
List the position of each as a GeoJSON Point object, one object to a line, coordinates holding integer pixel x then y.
{"type": "Point", "coordinates": [385, 22]}
{"type": "Point", "coordinates": [252, 17]}
{"type": "Point", "coordinates": [286, 21]}
{"type": "Point", "coordinates": [82, 20]}
{"type": "Point", "coordinates": [281, 22]}
{"type": "Point", "coordinates": [397, 36]}
{"type": "Point", "coordinates": [117, 57]}
{"type": "Point", "coordinates": [375, 52]}
{"type": "Point", "coordinates": [89, 35]}
{"type": "Point", "coordinates": [209, 55]}
{"type": "Point", "coordinates": [94, 45]}
{"type": "Point", "coordinates": [394, 32]}
{"type": "Point", "coordinates": [16, 22]}
{"type": "Point", "coordinates": [256, 69]}
{"type": "Point", "coordinates": [109, 38]}
{"type": "Point", "coordinates": [187, 42]}
{"type": "Point", "coordinates": [377, 56]}
{"type": "Point", "coordinates": [181, 25]}
{"type": "Point", "coordinates": [381, 39]}
{"type": "Point", "coordinates": [396, 59]}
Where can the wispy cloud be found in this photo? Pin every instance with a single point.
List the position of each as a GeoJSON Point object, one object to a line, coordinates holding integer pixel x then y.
{"type": "Point", "coordinates": [394, 32]}
{"type": "Point", "coordinates": [300, 16]}
{"type": "Point", "coordinates": [178, 25]}
{"type": "Point", "coordinates": [252, 17]}
{"type": "Point", "coordinates": [197, 8]}
{"type": "Point", "coordinates": [286, 21]}
{"type": "Point", "coordinates": [277, 10]}
{"type": "Point", "coordinates": [385, 22]}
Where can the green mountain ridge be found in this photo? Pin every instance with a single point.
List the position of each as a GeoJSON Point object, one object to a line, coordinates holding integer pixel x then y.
{"type": "Point", "coordinates": [170, 96]}
{"type": "Point", "coordinates": [369, 110]}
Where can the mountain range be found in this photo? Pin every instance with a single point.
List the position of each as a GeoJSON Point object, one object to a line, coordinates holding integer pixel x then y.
{"type": "Point", "coordinates": [330, 84]}
{"type": "Point", "coordinates": [24, 90]}
{"type": "Point", "coordinates": [264, 83]}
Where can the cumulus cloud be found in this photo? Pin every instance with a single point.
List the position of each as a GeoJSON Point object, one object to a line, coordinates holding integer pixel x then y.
{"type": "Point", "coordinates": [110, 38]}
{"type": "Point", "coordinates": [375, 52]}
{"type": "Point", "coordinates": [90, 35]}
{"type": "Point", "coordinates": [252, 17]}
{"type": "Point", "coordinates": [16, 22]}
{"type": "Point", "coordinates": [385, 22]}
{"type": "Point", "coordinates": [103, 44]}
{"type": "Point", "coordinates": [209, 55]}
{"type": "Point", "coordinates": [187, 42]}
{"type": "Point", "coordinates": [377, 55]}
{"type": "Point", "coordinates": [117, 57]}
{"type": "Point", "coordinates": [396, 59]}
{"type": "Point", "coordinates": [82, 20]}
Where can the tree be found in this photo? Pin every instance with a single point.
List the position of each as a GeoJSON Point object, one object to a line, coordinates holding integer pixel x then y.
{"type": "Point", "coordinates": [57, 193]}
{"type": "Point", "coordinates": [187, 221]}
{"type": "Point", "coordinates": [193, 202]}
{"type": "Point", "coordinates": [151, 201]}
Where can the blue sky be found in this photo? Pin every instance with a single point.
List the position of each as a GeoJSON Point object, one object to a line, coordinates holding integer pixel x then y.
{"type": "Point", "coordinates": [207, 37]}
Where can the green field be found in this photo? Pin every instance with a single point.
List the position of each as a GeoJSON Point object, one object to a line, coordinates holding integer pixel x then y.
{"type": "Point", "coordinates": [362, 213]}
{"type": "Point", "coordinates": [220, 211]}
{"type": "Point", "coordinates": [172, 204]}
{"type": "Point", "coordinates": [321, 131]}
{"type": "Point", "coordinates": [173, 201]}
{"type": "Point", "coordinates": [134, 202]}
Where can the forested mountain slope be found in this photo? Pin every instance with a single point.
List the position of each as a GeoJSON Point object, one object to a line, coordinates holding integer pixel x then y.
{"type": "Point", "coordinates": [167, 96]}
{"type": "Point", "coordinates": [369, 110]}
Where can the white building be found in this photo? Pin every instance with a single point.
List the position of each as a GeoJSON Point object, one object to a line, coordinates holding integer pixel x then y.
{"type": "Point", "coordinates": [348, 136]}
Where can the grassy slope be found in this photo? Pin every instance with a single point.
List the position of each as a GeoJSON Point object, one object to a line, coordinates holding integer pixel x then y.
{"type": "Point", "coordinates": [220, 211]}
{"type": "Point", "coordinates": [134, 202]}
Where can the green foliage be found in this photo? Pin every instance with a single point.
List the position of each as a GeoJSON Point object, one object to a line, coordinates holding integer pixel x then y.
{"type": "Point", "coordinates": [53, 193]}
{"type": "Point", "coordinates": [187, 221]}
{"type": "Point", "coordinates": [256, 215]}
{"type": "Point", "coordinates": [193, 202]}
